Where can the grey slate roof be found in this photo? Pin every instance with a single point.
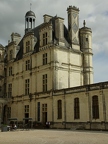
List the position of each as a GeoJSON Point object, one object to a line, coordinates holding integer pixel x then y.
{"type": "Point", "coordinates": [36, 34]}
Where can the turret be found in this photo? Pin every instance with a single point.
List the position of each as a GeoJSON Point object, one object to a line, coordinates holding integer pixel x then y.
{"type": "Point", "coordinates": [29, 21]}
{"type": "Point", "coordinates": [86, 48]}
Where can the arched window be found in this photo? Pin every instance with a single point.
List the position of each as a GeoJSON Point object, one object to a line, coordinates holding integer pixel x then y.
{"type": "Point", "coordinates": [76, 108]}
{"type": "Point", "coordinates": [59, 106]}
{"type": "Point", "coordinates": [95, 107]}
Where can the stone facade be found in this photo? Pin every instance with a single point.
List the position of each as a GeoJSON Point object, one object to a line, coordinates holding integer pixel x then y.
{"type": "Point", "coordinates": [48, 75]}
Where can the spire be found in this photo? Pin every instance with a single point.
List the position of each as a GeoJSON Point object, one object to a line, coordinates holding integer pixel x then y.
{"type": "Point", "coordinates": [84, 23]}
{"type": "Point", "coordinates": [30, 6]}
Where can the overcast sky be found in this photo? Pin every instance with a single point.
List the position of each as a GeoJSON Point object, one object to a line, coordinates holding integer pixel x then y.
{"type": "Point", "coordinates": [95, 12]}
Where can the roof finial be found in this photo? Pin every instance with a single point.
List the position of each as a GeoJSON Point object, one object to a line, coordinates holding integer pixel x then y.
{"type": "Point", "coordinates": [84, 23]}
{"type": "Point", "coordinates": [30, 6]}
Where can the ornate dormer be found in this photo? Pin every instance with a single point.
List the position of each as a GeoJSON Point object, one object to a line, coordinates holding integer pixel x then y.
{"type": "Point", "coordinates": [45, 33]}
{"type": "Point", "coordinates": [11, 51]}
{"type": "Point", "coordinates": [28, 43]}
{"type": "Point", "coordinates": [12, 47]}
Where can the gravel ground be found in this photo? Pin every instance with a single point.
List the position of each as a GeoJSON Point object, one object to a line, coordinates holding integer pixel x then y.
{"type": "Point", "coordinates": [53, 137]}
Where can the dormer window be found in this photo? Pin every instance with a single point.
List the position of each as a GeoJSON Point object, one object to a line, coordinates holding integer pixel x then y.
{"type": "Point", "coordinates": [27, 46]}
{"type": "Point", "coordinates": [10, 54]}
{"type": "Point", "coordinates": [45, 39]}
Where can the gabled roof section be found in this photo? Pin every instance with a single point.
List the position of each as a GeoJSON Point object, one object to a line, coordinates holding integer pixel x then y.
{"type": "Point", "coordinates": [20, 52]}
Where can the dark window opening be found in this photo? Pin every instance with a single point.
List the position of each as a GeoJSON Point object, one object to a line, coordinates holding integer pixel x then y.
{"type": "Point", "coordinates": [76, 108]}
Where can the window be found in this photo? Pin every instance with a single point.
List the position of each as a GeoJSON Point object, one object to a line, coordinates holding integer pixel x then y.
{"type": "Point", "coordinates": [44, 82]}
{"type": "Point", "coordinates": [76, 108]}
{"type": "Point", "coordinates": [59, 106]}
{"type": "Point", "coordinates": [38, 111]}
{"type": "Point", "coordinates": [44, 58]}
{"type": "Point", "coordinates": [87, 39]}
{"type": "Point", "coordinates": [95, 107]}
{"type": "Point", "coordinates": [10, 71]}
{"type": "Point", "coordinates": [27, 84]}
{"type": "Point", "coordinates": [26, 114]}
{"type": "Point", "coordinates": [27, 46]}
{"type": "Point", "coordinates": [10, 54]}
{"type": "Point", "coordinates": [44, 39]}
{"type": "Point", "coordinates": [26, 108]}
{"type": "Point", "coordinates": [8, 112]}
{"type": "Point", "coordinates": [27, 65]}
{"type": "Point", "coordinates": [9, 90]}
{"type": "Point", "coordinates": [44, 107]}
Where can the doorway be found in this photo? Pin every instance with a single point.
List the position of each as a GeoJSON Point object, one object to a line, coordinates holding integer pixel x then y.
{"type": "Point", "coordinates": [44, 117]}
{"type": "Point", "coordinates": [44, 113]}
{"type": "Point", "coordinates": [26, 116]}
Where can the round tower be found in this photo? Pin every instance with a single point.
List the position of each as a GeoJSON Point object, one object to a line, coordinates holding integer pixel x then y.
{"type": "Point", "coordinates": [29, 21]}
{"type": "Point", "coordinates": [86, 48]}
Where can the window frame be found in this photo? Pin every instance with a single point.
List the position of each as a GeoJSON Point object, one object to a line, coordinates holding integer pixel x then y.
{"type": "Point", "coordinates": [45, 38]}
{"type": "Point", "coordinates": [27, 46]}
{"type": "Point", "coordinates": [44, 58]}
{"type": "Point", "coordinates": [76, 108]}
{"type": "Point", "coordinates": [59, 109]}
{"type": "Point", "coordinates": [38, 111]}
{"type": "Point", "coordinates": [95, 107]}
{"type": "Point", "coordinates": [27, 86]}
{"type": "Point", "coordinates": [10, 71]}
{"type": "Point", "coordinates": [26, 108]}
{"type": "Point", "coordinates": [44, 82]}
{"type": "Point", "coordinates": [27, 65]}
{"type": "Point", "coordinates": [10, 90]}
{"type": "Point", "coordinates": [44, 107]}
